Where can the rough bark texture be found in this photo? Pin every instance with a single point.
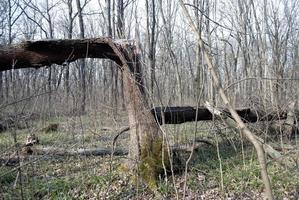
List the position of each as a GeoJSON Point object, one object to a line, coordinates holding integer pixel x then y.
{"type": "Point", "coordinates": [147, 150]}
{"type": "Point", "coordinates": [36, 54]}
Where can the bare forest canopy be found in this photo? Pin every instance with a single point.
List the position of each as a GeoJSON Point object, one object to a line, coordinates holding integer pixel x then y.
{"type": "Point", "coordinates": [243, 36]}
{"type": "Point", "coordinates": [36, 54]}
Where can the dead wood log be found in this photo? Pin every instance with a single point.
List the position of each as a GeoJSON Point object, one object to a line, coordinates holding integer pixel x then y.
{"type": "Point", "coordinates": [53, 152]}
{"type": "Point", "coordinates": [81, 152]}
{"type": "Point", "coordinates": [50, 153]}
{"type": "Point", "coordinates": [39, 152]}
{"type": "Point", "coordinates": [178, 115]}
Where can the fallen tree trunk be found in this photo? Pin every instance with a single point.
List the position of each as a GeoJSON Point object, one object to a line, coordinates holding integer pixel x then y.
{"type": "Point", "coordinates": [50, 153]}
{"type": "Point", "coordinates": [36, 54]}
{"type": "Point", "coordinates": [178, 115]}
{"type": "Point", "coordinates": [79, 152]}
{"type": "Point", "coordinates": [54, 152]}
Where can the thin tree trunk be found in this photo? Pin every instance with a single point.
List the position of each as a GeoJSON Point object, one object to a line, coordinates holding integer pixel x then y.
{"type": "Point", "coordinates": [1, 87]}
{"type": "Point", "coordinates": [70, 36]}
{"type": "Point", "coordinates": [120, 28]}
{"type": "Point", "coordinates": [151, 35]}
{"type": "Point", "coordinates": [82, 64]}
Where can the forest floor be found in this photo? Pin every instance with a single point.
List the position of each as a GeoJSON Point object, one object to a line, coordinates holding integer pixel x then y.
{"type": "Point", "coordinates": [227, 170]}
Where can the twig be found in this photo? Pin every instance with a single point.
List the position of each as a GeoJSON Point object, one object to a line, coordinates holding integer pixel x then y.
{"type": "Point", "coordinates": [123, 130]}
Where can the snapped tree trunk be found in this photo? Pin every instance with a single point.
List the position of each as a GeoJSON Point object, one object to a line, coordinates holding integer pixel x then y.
{"type": "Point", "coordinates": [147, 154]}
{"type": "Point", "coordinates": [147, 151]}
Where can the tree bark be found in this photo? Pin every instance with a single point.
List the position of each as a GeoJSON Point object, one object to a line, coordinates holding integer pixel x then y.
{"type": "Point", "coordinates": [36, 54]}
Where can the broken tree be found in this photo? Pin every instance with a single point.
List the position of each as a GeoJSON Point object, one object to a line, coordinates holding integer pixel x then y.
{"type": "Point", "coordinates": [147, 152]}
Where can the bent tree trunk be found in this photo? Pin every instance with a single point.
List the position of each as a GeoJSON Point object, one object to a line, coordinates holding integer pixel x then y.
{"type": "Point", "coordinates": [147, 154]}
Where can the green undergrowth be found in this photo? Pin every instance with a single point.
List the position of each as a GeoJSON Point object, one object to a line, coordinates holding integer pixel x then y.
{"type": "Point", "coordinates": [234, 172]}
{"type": "Point", "coordinates": [239, 172]}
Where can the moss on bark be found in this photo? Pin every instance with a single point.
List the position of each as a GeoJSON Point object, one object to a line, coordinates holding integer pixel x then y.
{"type": "Point", "coordinates": [154, 160]}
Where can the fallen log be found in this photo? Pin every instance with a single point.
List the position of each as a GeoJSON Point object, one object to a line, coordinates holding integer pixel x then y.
{"type": "Point", "coordinates": [81, 152]}
{"type": "Point", "coordinates": [50, 152]}
{"type": "Point", "coordinates": [178, 115]}
{"type": "Point", "coordinates": [47, 153]}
